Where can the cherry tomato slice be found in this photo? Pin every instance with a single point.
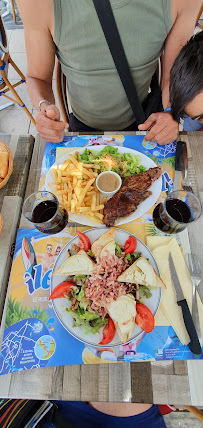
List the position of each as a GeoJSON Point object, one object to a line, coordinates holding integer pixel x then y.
{"type": "Point", "coordinates": [61, 290]}
{"type": "Point", "coordinates": [130, 245]}
{"type": "Point", "coordinates": [84, 242]}
{"type": "Point", "coordinates": [108, 332]}
{"type": "Point", "coordinates": [144, 318]}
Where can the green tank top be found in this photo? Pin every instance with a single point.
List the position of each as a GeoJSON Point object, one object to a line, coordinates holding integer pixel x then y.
{"type": "Point", "coordinates": [95, 91]}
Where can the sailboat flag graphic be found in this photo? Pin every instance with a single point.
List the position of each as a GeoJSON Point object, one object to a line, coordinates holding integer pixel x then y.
{"type": "Point", "coordinates": [28, 256]}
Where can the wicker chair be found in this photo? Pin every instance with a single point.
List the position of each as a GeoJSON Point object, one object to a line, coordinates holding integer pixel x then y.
{"type": "Point", "coordinates": [5, 84]}
{"type": "Point", "coordinates": [198, 18]}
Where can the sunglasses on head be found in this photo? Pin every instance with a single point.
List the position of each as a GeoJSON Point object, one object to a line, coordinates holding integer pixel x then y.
{"type": "Point", "coordinates": [200, 117]}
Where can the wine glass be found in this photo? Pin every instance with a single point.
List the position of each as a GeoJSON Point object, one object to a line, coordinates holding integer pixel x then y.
{"type": "Point", "coordinates": [43, 210]}
{"type": "Point", "coordinates": [179, 209]}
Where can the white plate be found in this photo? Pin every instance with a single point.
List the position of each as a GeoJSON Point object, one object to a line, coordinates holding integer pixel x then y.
{"type": "Point", "coordinates": [61, 304]}
{"type": "Point", "coordinates": [142, 208]}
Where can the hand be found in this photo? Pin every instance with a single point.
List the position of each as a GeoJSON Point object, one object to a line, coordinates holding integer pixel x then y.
{"type": "Point", "coordinates": [48, 124]}
{"type": "Point", "coordinates": [164, 128]}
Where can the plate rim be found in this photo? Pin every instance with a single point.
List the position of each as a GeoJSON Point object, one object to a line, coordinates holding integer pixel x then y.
{"type": "Point", "coordinates": [75, 335]}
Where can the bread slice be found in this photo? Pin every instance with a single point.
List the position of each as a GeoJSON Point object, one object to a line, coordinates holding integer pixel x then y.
{"type": "Point", "coordinates": [141, 272]}
{"type": "Point", "coordinates": [123, 312]}
{"type": "Point", "coordinates": [79, 264]}
{"type": "Point", "coordinates": [102, 241]}
{"type": "Point", "coordinates": [3, 164]}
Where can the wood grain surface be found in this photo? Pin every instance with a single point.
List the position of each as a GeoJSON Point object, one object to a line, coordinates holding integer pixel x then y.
{"type": "Point", "coordinates": [11, 199]}
{"type": "Point", "coordinates": [172, 382]}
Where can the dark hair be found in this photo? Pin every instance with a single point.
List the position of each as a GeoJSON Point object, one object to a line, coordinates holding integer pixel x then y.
{"type": "Point", "coordinates": [186, 77]}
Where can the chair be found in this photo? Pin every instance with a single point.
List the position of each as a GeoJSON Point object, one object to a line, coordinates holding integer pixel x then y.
{"type": "Point", "coordinates": [62, 92]}
{"type": "Point", "coordinates": [198, 18]}
{"type": "Point", "coordinates": [8, 12]}
{"type": "Point", "coordinates": [5, 85]}
{"type": "Point", "coordinates": [198, 413]}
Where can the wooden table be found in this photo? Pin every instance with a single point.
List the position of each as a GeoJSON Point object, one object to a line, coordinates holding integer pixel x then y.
{"type": "Point", "coordinates": [172, 382]}
{"type": "Point", "coordinates": [11, 199]}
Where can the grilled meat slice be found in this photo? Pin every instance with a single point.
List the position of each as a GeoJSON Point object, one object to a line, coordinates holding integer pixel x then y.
{"type": "Point", "coordinates": [132, 192]}
{"type": "Point", "coordinates": [154, 173]}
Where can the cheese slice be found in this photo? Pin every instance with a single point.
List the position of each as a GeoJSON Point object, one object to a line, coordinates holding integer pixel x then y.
{"type": "Point", "coordinates": [123, 311]}
{"type": "Point", "coordinates": [155, 241]}
{"type": "Point", "coordinates": [108, 250]}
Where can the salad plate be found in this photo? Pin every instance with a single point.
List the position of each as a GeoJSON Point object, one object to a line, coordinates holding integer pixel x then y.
{"type": "Point", "coordinates": [142, 207]}
{"type": "Point", "coordinates": [61, 304]}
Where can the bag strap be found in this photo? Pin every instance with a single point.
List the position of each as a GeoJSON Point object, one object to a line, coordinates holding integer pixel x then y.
{"type": "Point", "coordinates": [109, 27]}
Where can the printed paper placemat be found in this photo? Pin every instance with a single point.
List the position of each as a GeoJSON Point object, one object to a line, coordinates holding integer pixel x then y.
{"type": "Point", "coordinates": [163, 156]}
{"type": "Point", "coordinates": [35, 337]}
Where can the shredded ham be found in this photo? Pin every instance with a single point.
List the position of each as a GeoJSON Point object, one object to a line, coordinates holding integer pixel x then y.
{"type": "Point", "coordinates": [103, 287]}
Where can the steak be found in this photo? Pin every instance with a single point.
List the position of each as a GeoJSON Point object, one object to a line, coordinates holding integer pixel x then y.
{"type": "Point", "coordinates": [133, 191]}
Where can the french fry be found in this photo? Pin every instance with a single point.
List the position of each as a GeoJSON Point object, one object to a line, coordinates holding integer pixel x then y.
{"type": "Point", "coordinates": [103, 200]}
{"type": "Point", "coordinates": [97, 198]}
{"type": "Point", "coordinates": [99, 207]}
{"type": "Point", "coordinates": [99, 215]}
{"type": "Point", "coordinates": [84, 191]}
{"type": "Point", "coordinates": [93, 218]}
{"type": "Point", "coordinates": [65, 165]}
{"type": "Point", "coordinates": [90, 165]}
{"type": "Point", "coordinates": [69, 196]}
{"type": "Point", "coordinates": [75, 186]}
{"type": "Point", "coordinates": [73, 205]}
{"type": "Point", "coordinates": [60, 192]}
{"type": "Point", "coordinates": [54, 173]}
{"type": "Point", "coordinates": [93, 203]}
{"type": "Point", "coordinates": [74, 181]}
{"type": "Point", "coordinates": [53, 185]}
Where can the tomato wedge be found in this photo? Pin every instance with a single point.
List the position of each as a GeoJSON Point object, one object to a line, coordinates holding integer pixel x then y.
{"type": "Point", "coordinates": [144, 318]}
{"type": "Point", "coordinates": [108, 332]}
{"type": "Point", "coordinates": [61, 290]}
{"type": "Point", "coordinates": [84, 242]}
{"type": "Point", "coordinates": [130, 245]}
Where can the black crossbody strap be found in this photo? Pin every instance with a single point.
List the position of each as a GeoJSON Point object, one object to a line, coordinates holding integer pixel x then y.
{"type": "Point", "coordinates": [109, 27]}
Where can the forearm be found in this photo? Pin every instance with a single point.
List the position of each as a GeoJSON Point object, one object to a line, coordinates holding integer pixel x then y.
{"type": "Point", "coordinates": [39, 90]}
{"type": "Point", "coordinates": [165, 95]}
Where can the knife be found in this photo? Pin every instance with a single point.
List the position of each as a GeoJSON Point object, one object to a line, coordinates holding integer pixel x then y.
{"type": "Point", "coordinates": [200, 290]}
{"type": "Point", "coordinates": [178, 165]}
{"type": "Point", "coordinates": [194, 344]}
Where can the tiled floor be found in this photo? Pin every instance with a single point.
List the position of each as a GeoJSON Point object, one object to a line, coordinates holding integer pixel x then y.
{"type": "Point", "coordinates": [13, 119]}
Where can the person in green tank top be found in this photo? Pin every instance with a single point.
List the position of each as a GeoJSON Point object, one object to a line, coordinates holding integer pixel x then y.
{"type": "Point", "coordinates": [71, 30]}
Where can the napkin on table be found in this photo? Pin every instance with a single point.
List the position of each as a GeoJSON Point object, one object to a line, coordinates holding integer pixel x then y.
{"type": "Point", "coordinates": [161, 246]}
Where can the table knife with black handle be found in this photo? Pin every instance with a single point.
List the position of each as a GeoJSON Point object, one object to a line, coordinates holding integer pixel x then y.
{"type": "Point", "coordinates": [194, 344]}
{"type": "Point", "coordinates": [178, 165]}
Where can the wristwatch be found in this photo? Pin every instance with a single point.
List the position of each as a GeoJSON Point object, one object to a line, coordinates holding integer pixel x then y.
{"type": "Point", "coordinates": [41, 102]}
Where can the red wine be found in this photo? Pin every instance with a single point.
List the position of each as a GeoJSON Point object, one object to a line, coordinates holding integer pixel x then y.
{"type": "Point", "coordinates": [48, 219]}
{"type": "Point", "coordinates": [179, 213]}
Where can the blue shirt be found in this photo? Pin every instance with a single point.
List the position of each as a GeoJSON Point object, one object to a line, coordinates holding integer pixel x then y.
{"type": "Point", "coordinates": [85, 416]}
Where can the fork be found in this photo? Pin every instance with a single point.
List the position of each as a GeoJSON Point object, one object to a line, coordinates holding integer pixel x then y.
{"type": "Point", "coordinates": [186, 183]}
{"type": "Point", "coordinates": [195, 273]}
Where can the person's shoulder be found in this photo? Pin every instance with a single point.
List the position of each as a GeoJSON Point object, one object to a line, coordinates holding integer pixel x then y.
{"type": "Point", "coordinates": [37, 12]}
{"type": "Point", "coordinates": [182, 6]}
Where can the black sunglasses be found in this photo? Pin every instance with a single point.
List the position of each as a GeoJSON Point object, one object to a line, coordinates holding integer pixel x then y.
{"type": "Point", "coordinates": [200, 117]}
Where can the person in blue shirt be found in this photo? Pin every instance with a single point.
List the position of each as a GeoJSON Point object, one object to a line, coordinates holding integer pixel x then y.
{"type": "Point", "coordinates": [186, 84]}
{"type": "Point", "coordinates": [77, 414]}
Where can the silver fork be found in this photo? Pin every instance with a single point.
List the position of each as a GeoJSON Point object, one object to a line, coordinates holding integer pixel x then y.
{"type": "Point", "coordinates": [186, 183]}
{"type": "Point", "coordinates": [195, 273]}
